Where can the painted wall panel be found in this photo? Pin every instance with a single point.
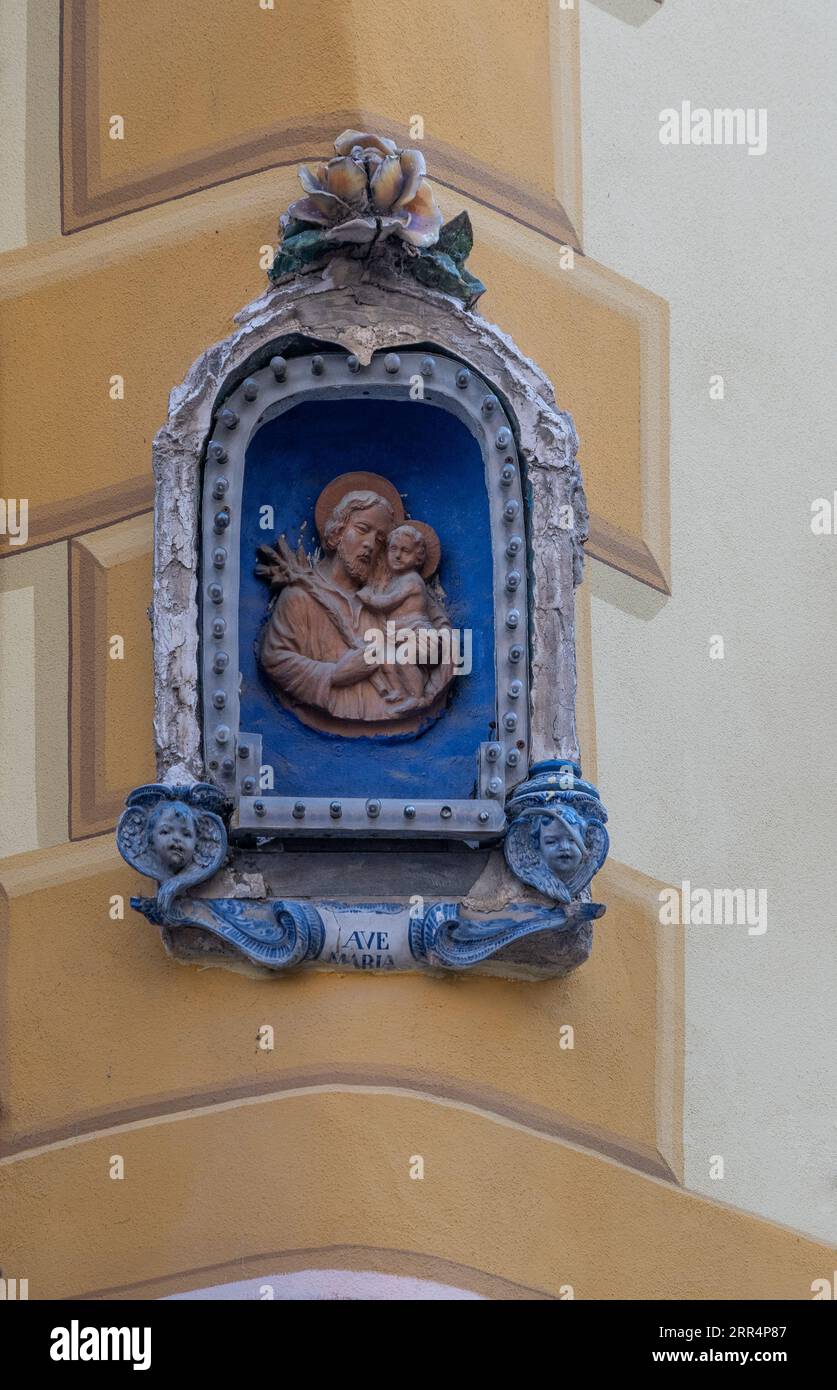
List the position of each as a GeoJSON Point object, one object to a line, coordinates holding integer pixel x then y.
{"type": "Point", "coordinates": [112, 710]}
{"type": "Point", "coordinates": [330, 1167]}
{"type": "Point", "coordinates": [209, 92]}
{"type": "Point", "coordinates": [108, 1053]}
{"type": "Point", "coordinates": [33, 694]}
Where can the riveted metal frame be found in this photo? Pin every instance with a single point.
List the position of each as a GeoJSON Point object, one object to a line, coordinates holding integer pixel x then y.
{"type": "Point", "coordinates": [232, 756]}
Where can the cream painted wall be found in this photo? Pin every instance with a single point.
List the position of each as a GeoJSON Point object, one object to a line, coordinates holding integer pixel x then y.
{"type": "Point", "coordinates": [29, 115]}
{"type": "Point", "coordinates": [33, 698]}
{"type": "Point", "coordinates": [725, 772]}
{"type": "Point", "coordinates": [12, 124]}
{"type": "Point", "coordinates": [18, 812]}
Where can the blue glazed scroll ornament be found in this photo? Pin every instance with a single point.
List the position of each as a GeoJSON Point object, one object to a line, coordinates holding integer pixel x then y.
{"type": "Point", "coordinates": [176, 834]}
{"type": "Point", "coordinates": [444, 939]}
{"type": "Point", "coordinates": [556, 842]}
{"type": "Point", "coordinates": [276, 934]}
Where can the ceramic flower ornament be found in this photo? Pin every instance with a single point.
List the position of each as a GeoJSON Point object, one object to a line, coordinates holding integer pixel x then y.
{"type": "Point", "coordinates": [372, 201]}
{"type": "Point", "coordinates": [369, 191]}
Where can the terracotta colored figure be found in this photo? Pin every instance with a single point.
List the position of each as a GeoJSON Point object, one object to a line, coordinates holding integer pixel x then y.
{"type": "Point", "coordinates": [405, 600]}
{"type": "Point", "coordinates": [313, 650]}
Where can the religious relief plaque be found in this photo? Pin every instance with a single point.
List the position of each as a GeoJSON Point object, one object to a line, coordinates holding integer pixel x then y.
{"type": "Point", "coordinates": [369, 520]}
{"type": "Point", "coordinates": [330, 609]}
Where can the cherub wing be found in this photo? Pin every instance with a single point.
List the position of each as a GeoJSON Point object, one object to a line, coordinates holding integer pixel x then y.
{"type": "Point", "coordinates": [130, 838]}
{"type": "Point", "coordinates": [597, 843]}
{"type": "Point", "coordinates": [210, 842]}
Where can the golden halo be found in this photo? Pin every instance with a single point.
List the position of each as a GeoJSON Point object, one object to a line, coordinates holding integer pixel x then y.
{"type": "Point", "coordinates": [336, 490]}
{"type": "Point", "coordinates": [432, 544]}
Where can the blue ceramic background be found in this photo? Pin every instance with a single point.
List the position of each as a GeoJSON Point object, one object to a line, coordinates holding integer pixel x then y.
{"type": "Point", "coordinates": [436, 465]}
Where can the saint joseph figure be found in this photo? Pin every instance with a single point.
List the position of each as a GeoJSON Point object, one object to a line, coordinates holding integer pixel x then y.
{"type": "Point", "coordinates": [314, 650]}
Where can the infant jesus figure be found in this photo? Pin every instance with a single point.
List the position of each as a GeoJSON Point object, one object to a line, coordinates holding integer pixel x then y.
{"type": "Point", "coordinates": [405, 601]}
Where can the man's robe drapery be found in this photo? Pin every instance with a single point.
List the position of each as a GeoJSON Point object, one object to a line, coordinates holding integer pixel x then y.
{"type": "Point", "coordinates": [299, 649]}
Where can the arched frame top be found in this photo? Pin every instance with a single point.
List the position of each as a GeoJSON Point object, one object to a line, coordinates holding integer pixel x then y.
{"type": "Point", "coordinates": [365, 319]}
{"type": "Point", "coordinates": [232, 754]}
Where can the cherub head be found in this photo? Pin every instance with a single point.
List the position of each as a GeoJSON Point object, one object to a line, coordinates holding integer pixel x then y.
{"type": "Point", "coordinates": [561, 842]}
{"type": "Point", "coordinates": [406, 549]}
{"type": "Point", "coordinates": [171, 835]}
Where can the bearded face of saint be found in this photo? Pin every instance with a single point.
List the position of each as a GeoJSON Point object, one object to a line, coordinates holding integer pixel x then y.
{"type": "Point", "coordinates": [357, 532]}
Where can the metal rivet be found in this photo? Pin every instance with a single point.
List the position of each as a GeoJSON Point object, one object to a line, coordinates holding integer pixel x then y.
{"type": "Point", "coordinates": [373, 808]}
{"type": "Point", "coordinates": [493, 752]}
{"type": "Point", "coordinates": [220, 663]}
{"type": "Point", "coordinates": [248, 786]}
{"type": "Point", "coordinates": [259, 808]}
{"type": "Point", "coordinates": [335, 810]}
{"type": "Point", "coordinates": [392, 363]}
{"type": "Point", "coordinates": [510, 720]}
{"type": "Point", "coordinates": [503, 439]}
{"type": "Point", "coordinates": [219, 557]}
{"type": "Point", "coordinates": [512, 757]}
{"type": "Point", "coordinates": [410, 812]}
{"type": "Point", "coordinates": [446, 812]}
{"type": "Point", "coordinates": [489, 405]}
{"type": "Point", "coordinates": [219, 699]}
{"type": "Point", "coordinates": [229, 418]}
{"type": "Point", "coordinates": [428, 366]}
{"type": "Point", "coordinates": [243, 750]}
{"type": "Point", "coordinates": [514, 689]}
{"type": "Point", "coordinates": [511, 509]}
{"type": "Point", "coordinates": [483, 817]}
{"type": "Point", "coordinates": [222, 519]}
{"type": "Point", "coordinates": [514, 546]}
{"type": "Point", "coordinates": [495, 786]}
{"type": "Point", "coordinates": [318, 365]}
{"type": "Point", "coordinates": [250, 389]}
{"type": "Point", "coordinates": [213, 764]}
{"type": "Point", "coordinates": [278, 366]}
{"type": "Point", "coordinates": [513, 580]}
{"type": "Point", "coordinates": [222, 733]}
{"type": "Point", "coordinates": [228, 766]}
{"type": "Point", "coordinates": [219, 627]}
{"type": "Point", "coordinates": [220, 486]}
{"type": "Point", "coordinates": [513, 617]}
{"type": "Point", "coordinates": [299, 810]}
{"type": "Point", "coordinates": [216, 593]}
{"type": "Point", "coordinates": [463, 376]}
{"type": "Point", "coordinates": [217, 452]}
{"type": "Point", "coordinates": [507, 474]}
{"type": "Point", "coordinates": [515, 653]}
{"type": "Point", "coordinates": [353, 362]}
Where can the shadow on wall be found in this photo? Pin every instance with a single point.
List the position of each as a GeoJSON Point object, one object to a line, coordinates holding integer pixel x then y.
{"type": "Point", "coordinates": [623, 591]}
{"type": "Point", "coordinates": [632, 11]}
